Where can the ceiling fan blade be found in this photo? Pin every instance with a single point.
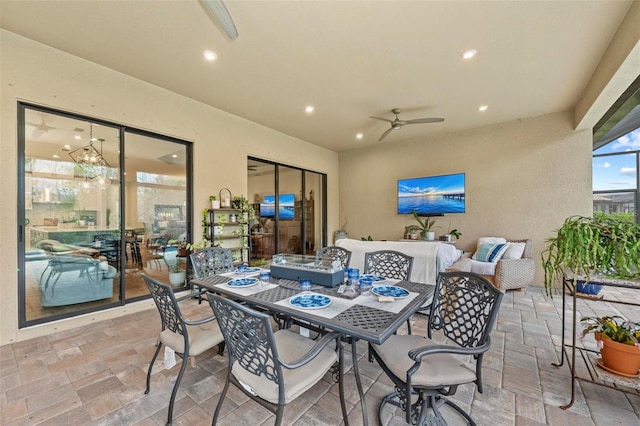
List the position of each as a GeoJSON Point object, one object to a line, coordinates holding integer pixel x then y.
{"type": "Point", "coordinates": [218, 12]}
{"type": "Point", "coordinates": [384, 135]}
{"type": "Point", "coordinates": [383, 119]}
{"type": "Point", "coordinates": [424, 120]}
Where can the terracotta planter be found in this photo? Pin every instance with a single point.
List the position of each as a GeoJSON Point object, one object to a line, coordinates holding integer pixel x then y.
{"type": "Point", "coordinates": [619, 357]}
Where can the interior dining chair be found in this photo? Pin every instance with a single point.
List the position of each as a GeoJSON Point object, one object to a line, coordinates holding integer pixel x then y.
{"type": "Point", "coordinates": [271, 368]}
{"type": "Point", "coordinates": [327, 255]}
{"type": "Point", "coordinates": [186, 338]}
{"type": "Point", "coordinates": [464, 309]}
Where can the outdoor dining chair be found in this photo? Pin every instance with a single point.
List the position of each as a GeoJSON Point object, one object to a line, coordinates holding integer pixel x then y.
{"type": "Point", "coordinates": [464, 309]}
{"type": "Point", "coordinates": [271, 368]}
{"type": "Point", "coordinates": [186, 338]}
{"type": "Point", "coordinates": [327, 255]}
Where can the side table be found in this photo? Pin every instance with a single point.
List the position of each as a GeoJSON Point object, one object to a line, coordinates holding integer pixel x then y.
{"type": "Point", "coordinates": [568, 351]}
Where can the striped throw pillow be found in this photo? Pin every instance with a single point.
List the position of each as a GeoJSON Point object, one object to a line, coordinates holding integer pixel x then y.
{"type": "Point", "coordinates": [490, 252]}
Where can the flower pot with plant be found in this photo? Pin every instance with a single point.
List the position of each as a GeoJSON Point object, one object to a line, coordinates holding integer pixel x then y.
{"type": "Point", "coordinates": [411, 232]}
{"type": "Point", "coordinates": [341, 233]}
{"type": "Point", "coordinates": [618, 342]}
{"type": "Point", "coordinates": [425, 226]}
{"type": "Point", "coordinates": [592, 246]}
{"type": "Point", "coordinates": [451, 233]}
{"type": "Point", "coordinates": [215, 203]}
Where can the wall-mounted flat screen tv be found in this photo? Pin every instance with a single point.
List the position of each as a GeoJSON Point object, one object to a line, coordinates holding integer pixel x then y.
{"type": "Point", "coordinates": [285, 206]}
{"type": "Point", "coordinates": [432, 195]}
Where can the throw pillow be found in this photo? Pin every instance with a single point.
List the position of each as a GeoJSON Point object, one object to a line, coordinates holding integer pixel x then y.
{"type": "Point", "coordinates": [490, 252]}
{"type": "Point", "coordinates": [514, 251]}
{"type": "Point", "coordinates": [491, 240]}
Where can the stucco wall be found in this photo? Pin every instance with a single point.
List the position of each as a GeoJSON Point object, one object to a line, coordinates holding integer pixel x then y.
{"type": "Point", "coordinates": [523, 178]}
{"type": "Point", "coordinates": [38, 74]}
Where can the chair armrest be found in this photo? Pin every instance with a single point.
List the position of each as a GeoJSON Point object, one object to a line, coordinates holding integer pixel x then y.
{"type": "Point", "coordinates": [515, 273]}
{"type": "Point", "coordinates": [317, 348]}
{"type": "Point", "coordinates": [417, 353]}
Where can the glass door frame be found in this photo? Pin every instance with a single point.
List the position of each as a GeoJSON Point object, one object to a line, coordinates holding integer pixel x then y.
{"type": "Point", "coordinates": [21, 206]}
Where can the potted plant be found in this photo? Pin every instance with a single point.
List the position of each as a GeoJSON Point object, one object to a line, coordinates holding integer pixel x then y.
{"type": "Point", "coordinates": [451, 233]}
{"type": "Point", "coordinates": [601, 245]}
{"type": "Point", "coordinates": [177, 275]}
{"type": "Point", "coordinates": [215, 203]}
{"type": "Point", "coordinates": [341, 233]}
{"type": "Point", "coordinates": [411, 232]}
{"type": "Point", "coordinates": [618, 342]}
{"type": "Point", "coordinates": [425, 226]}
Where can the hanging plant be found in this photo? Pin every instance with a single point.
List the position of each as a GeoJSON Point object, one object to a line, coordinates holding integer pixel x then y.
{"type": "Point", "coordinates": [592, 246]}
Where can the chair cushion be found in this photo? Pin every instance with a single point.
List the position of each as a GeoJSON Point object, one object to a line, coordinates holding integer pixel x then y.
{"type": "Point", "coordinates": [291, 346]}
{"type": "Point", "coordinates": [514, 251]}
{"type": "Point", "coordinates": [482, 268]}
{"type": "Point", "coordinates": [201, 338]}
{"type": "Point", "coordinates": [435, 370]}
{"type": "Point", "coordinates": [490, 252]}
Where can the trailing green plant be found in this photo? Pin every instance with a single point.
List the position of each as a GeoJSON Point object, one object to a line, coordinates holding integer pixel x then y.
{"type": "Point", "coordinates": [587, 246]}
{"type": "Point", "coordinates": [426, 224]}
{"type": "Point", "coordinates": [613, 327]}
{"type": "Point", "coordinates": [242, 203]}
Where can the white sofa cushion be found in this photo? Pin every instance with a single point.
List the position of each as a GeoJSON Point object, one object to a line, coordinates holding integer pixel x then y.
{"type": "Point", "coordinates": [514, 251]}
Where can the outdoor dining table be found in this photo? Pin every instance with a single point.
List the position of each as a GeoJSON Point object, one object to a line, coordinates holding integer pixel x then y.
{"type": "Point", "coordinates": [362, 318]}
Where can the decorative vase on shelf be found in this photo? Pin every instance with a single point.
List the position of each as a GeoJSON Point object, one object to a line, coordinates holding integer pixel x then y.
{"type": "Point", "coordinates": [429, 235]}
{"type": "Point", "coordinates": [215, 204]}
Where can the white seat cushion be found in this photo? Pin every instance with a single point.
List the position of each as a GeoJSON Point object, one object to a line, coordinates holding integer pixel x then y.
{"type": "Point", "coordinates": [436, 370]}
{"type": "Point", "coordinates": [201, 338]}
{"type": "Point", "coordinates": [291, 346]}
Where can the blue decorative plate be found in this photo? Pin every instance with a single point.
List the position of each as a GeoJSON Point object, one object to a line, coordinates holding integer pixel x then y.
{"type": "Point", "coordinates": [250, 270]}
{"type": "Point", "coordinates": [310, 301]}
{"type": "Point", "coordinates": [390, 290]}
{"type": "Point", "coordinates": [242, 282]}
{"type": "Point", "coordinates": [375, 279]}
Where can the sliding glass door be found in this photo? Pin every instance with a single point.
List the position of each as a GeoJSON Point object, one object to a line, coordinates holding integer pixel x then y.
{"type": "Point", "coordinates": [95, 200]}
{"type": "Point", "coordinates": [290, 209]}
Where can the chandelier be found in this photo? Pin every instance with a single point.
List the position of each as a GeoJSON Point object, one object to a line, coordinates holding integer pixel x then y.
{"type": "Point", "coordinates": [88, 157]}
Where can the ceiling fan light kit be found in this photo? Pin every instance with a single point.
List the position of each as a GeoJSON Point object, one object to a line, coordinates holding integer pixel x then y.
{"type": "Point", "coordinates": [397, 124]}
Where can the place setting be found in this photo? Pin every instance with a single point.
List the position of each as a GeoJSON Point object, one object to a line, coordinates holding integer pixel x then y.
{"type": "Point", "coordinates": [321, 304]}
{"type": "Point", "coordinates": [250, 284]}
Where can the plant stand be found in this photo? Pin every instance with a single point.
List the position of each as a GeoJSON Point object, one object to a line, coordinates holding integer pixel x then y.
{"type": "Point", "coordinates": [569, 352]}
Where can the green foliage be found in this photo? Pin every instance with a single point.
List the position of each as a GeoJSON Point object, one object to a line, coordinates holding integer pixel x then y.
{"type": "Point", "coordinates": [367, 238]}
{"type": "Point", "coordinates": [623, 217]}
{"type": "Point", "coordinates": [587, 246]}
{"type": "Point", "coordinates": [455, 233]}
{"type": "Point", "coordinates": [614, 327]}
{"type": "Point", "coordinates": [212, 198]}
{"type": "Point", "coordinates": [426, 224]}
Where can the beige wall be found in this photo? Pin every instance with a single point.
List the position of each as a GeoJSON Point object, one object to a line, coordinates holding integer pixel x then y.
{"type": "Point", "coordinates": [35, 73]}
{"type": "Point", "coordinates": [522, 179]}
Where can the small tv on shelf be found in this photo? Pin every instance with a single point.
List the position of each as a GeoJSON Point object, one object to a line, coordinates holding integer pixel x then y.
{"type": "Point", "coordinates": [285, 206]}
{"type": "Point", "coordinates": [432, 195]}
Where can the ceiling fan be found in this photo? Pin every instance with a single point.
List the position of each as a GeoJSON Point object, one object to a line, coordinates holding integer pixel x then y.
{"type": "Point", "coordinates": [220, 16]}
{"type": "Point", "coordinates": [41, 128]}
{"type": "Point", "coordinates": [397, 124]}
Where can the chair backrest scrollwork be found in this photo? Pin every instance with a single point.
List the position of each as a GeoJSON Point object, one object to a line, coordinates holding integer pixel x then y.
{"type": "Point", "coordinates": [465, 307]}
{"type": "Point", "coordinates": [389, 264]}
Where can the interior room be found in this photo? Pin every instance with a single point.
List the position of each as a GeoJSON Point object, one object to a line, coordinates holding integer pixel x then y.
{"type": "Point", "coordinates": [315, 110]}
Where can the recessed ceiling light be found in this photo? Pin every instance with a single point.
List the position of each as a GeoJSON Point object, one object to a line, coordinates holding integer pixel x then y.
{"type": "Point", "coordinates": [309, 109]}
{"type": "Point", "coordinates": [483, 107]}
{"type": "Point", "coordinates": [56, 156]}
{"type": "Point", "coordinates": [77, 137]}
{"type": "Point", "coordinates": [359, 136]}
{"type": "Point", "coordinates": [468, 54]}
{"type": "Point", "coordinates": [175, 155]}
{"type": "Point", "coordinates": [210, 55]}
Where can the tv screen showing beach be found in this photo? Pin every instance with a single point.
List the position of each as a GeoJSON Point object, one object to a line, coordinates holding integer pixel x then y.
{"type": "Point", "coordinates": [285, 206]}
{"type": "Point", "coordinates": [433, 195]}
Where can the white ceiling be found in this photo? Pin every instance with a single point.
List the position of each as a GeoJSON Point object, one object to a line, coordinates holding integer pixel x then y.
{"type": "Point", "coordinates": [349, 59]}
